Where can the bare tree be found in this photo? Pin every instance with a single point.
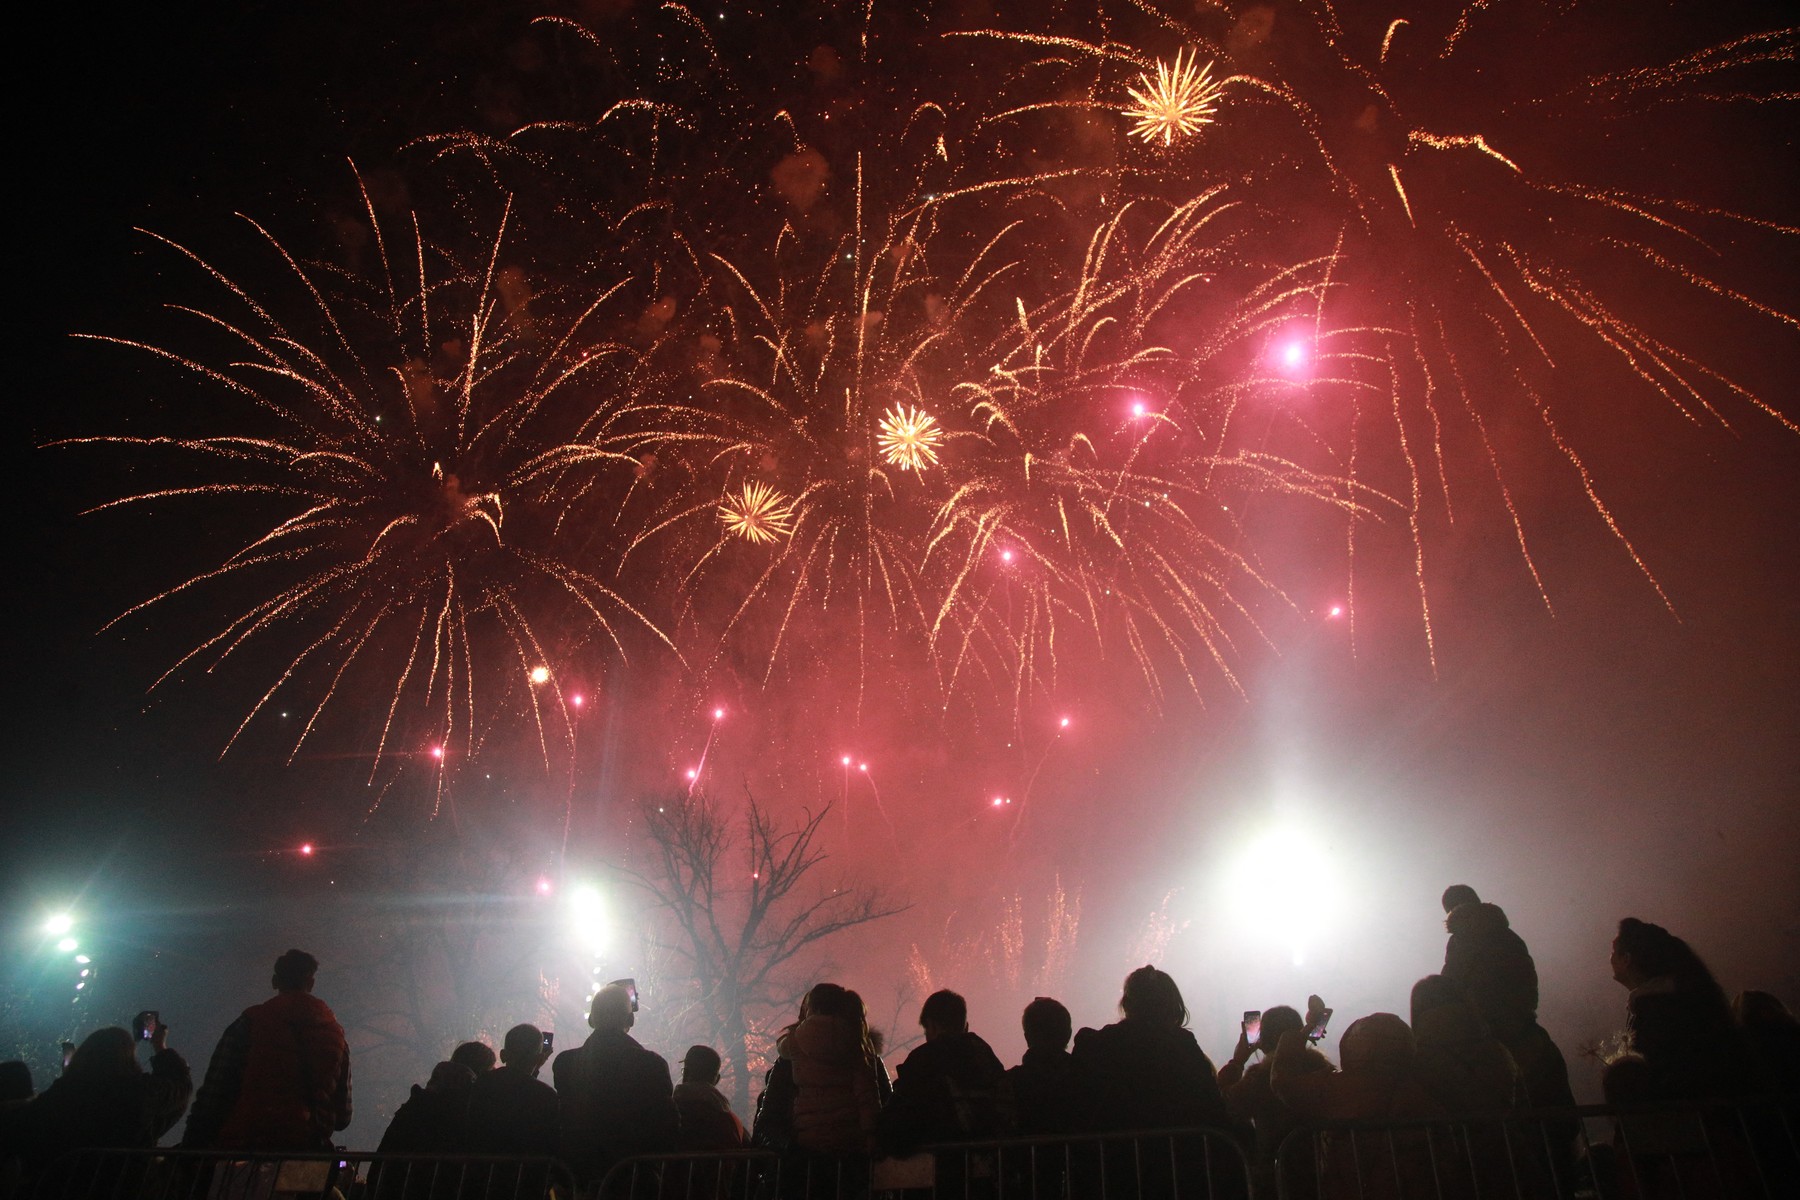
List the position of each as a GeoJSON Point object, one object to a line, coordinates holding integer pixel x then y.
{"type": "Point", "coordinates": [742, 907]}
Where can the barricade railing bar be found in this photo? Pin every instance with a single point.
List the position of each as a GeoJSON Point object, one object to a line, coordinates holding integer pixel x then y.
{"type": "Point", "coordinates": [1159, 1164]}
{"type": "Point", "coordinates": [352, 1175]}
{"type": "Point", "coordinates": [1743, 1150]}
{"type": "Point", "coordinates": [1737, 1150]}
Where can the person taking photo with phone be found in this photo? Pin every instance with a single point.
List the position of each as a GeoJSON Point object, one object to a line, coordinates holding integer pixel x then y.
{"type": "Point", "coordinates": [105, 1098]}
{"type": "Point", "coordinates": [1250, 1097]}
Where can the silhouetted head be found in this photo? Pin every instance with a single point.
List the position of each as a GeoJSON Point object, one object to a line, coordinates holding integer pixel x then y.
{"type": "Point", "coordinates": [1433, 992]}
{"type": "Point", "coordinates": [1152, 997]}
{"type": "Point", "coordinates": [944, 1013]}
{"type": "Point", "coordinates": [110, 1051]}
{"type": "Point", "coordinates": [1276, 1022]}
{"type": "Point", "coordinates": [1753, 1010]}
{"type": "Point", "coordinates": [700, 1065]}
{"type": "Point", "coordinates": [829, 1000]}
{"type": "Point", "coordinates": [1643, 952]}
{"type": "Point", "coordinates": [1047, 1024]}
{"type": "Point", "coordinates": [294, 972]}
{"type": "Point", "coordinates": [1378, 1044]}
{"type": "Point", "coordinates": [611, 1010]}
{"type": "Point", "coordinates": [15, 1082]}
{"type": "Point", "coordinates": [523, 1047]}
{"type": "Point", "coordinates": [478, 1057]}
{"type": "Point", "coordinates": [1459, 894]}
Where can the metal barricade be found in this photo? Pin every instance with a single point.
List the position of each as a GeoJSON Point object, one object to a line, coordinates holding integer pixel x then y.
{"type": "Point", "coordinates": [1742, 1150]}
{"type": "Point", "coordinates": [351, 1175]}
{"type": "Point", "coordinates": [1166, 1164]}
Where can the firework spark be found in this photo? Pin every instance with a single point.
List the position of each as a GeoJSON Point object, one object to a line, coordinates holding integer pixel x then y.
{"type": "Point", "coordinates": [910, 438]}
{"type": "Point", "coordinates": [1178, 101]}
{"type": "Point", "coordinates": [419, 537]}
{"type": "Point", "coordinates": [757, 512]}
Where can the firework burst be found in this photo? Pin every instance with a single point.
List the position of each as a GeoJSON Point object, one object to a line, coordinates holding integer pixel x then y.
{"type": "Point", "coordinates": [757, 512]}
{"type": "Point", "coordinates": [910, 438]}
{"type": "Point", "coordinates": [418, 457]}
{"type": "Point", "coordinates": [1177, 101]}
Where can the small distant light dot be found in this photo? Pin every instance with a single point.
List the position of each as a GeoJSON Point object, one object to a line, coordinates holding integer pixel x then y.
{"type": "Point", "coordinates": [1064, 723]}
{"type": "Point", "coordinates": [718, 714]}
{"type": "Point", "coordinates": [84, 973]}
{"type": "Point", "coordinates": [437, 752]}
{"type": "Point", "coordinates": [692, 774]}
{"type": "Point", "coordinates": [846, 760]}
{"type": "Point", "coordinates": [862, 766]}
{"type": "Point", "coordinates": [67, 944]}
{"type": "Point", "coordinates": [540, 674]}
{"type": "Point", "coordinates": [577, 700]}
{"type": "Point", "coordinates": [306, 848]}
{"type": "Point", "coordinates": [82, 958]}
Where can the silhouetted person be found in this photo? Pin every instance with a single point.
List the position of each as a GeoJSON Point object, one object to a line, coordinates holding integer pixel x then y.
{"type": "Point", "coordinates": [104, 1099]}
{"type": "Point", "coordinates": [280, 1076]}
{"type": "Point", "coordinates": [707, 1122]}
{"type": "Point", "coordinates": [16, 1088]}
{"type": "Point", "coordinates": [1377, 1081]}
{"type": "Point", "coordinates": [1772, 1036]}
{"type": "Point", "coordinates": [836, 1100]}
{"type": "Point", "coordinates": [1250, 1096]}
{"type": "Point", "coordinates": [950, 1088]}
{"type": "Point", "coordinates": [433, 1119]}
{"type": "Point", "coordinates": [1460, 1062]}
{"type": "Point", "coordinates": [1148, 1072]}
{"type": "Point", "coordinates": [1048, 1091]}
{"type": "Point", "coordinates": [511, 1111]}
{"type": "Point", "coordinates": [1679, 1024]}
{"type": "Point", "coordinates": [1490, 963]}
{"type": "Point", "coordinates": [615, 1098]}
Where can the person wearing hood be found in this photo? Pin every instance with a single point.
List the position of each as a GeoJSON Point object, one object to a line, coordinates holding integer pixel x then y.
{"type": "Point", "coordinates": [1489, 961]}
{"type": "Point", "coordinates": [836, 1101]}
{"type": "Point", "coordinates": [279, 1078]}
{"type": "Point", "coordinates": [951, 1088]}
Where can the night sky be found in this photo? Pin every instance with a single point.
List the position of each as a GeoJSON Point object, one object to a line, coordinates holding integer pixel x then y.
{"type": "Point", "coordinates": [1615, 758]}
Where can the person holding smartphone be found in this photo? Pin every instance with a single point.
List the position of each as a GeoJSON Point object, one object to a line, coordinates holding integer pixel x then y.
{"type": "Point", "coordinates": [1249, 1095]}
{"type": "Point", "coordinates": [105, 1099]}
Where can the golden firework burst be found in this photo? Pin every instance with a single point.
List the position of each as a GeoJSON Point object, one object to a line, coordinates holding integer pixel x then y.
{"type": "Point", "coordinates": [910, 438]}
{"type": "Point", "coordinates": [757, 512]}
{"type": "Point", "coordinates": [1179, 100]}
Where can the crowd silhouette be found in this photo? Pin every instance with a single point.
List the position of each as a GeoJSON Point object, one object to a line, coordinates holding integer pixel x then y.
{"type": "Point", "coordinates": [1471, 1045]}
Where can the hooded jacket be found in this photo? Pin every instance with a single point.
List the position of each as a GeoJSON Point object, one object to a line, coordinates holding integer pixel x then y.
{"type": "Point", "coordinates": [835, 1098]}
{"type": "Point", "coordinates": [1492, 966]}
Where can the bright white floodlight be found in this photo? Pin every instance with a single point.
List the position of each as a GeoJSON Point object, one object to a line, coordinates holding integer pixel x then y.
{"type": "Point", "coordinates": [587, 917]}
{"type": "Point", "coordinates": [59, 924]}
